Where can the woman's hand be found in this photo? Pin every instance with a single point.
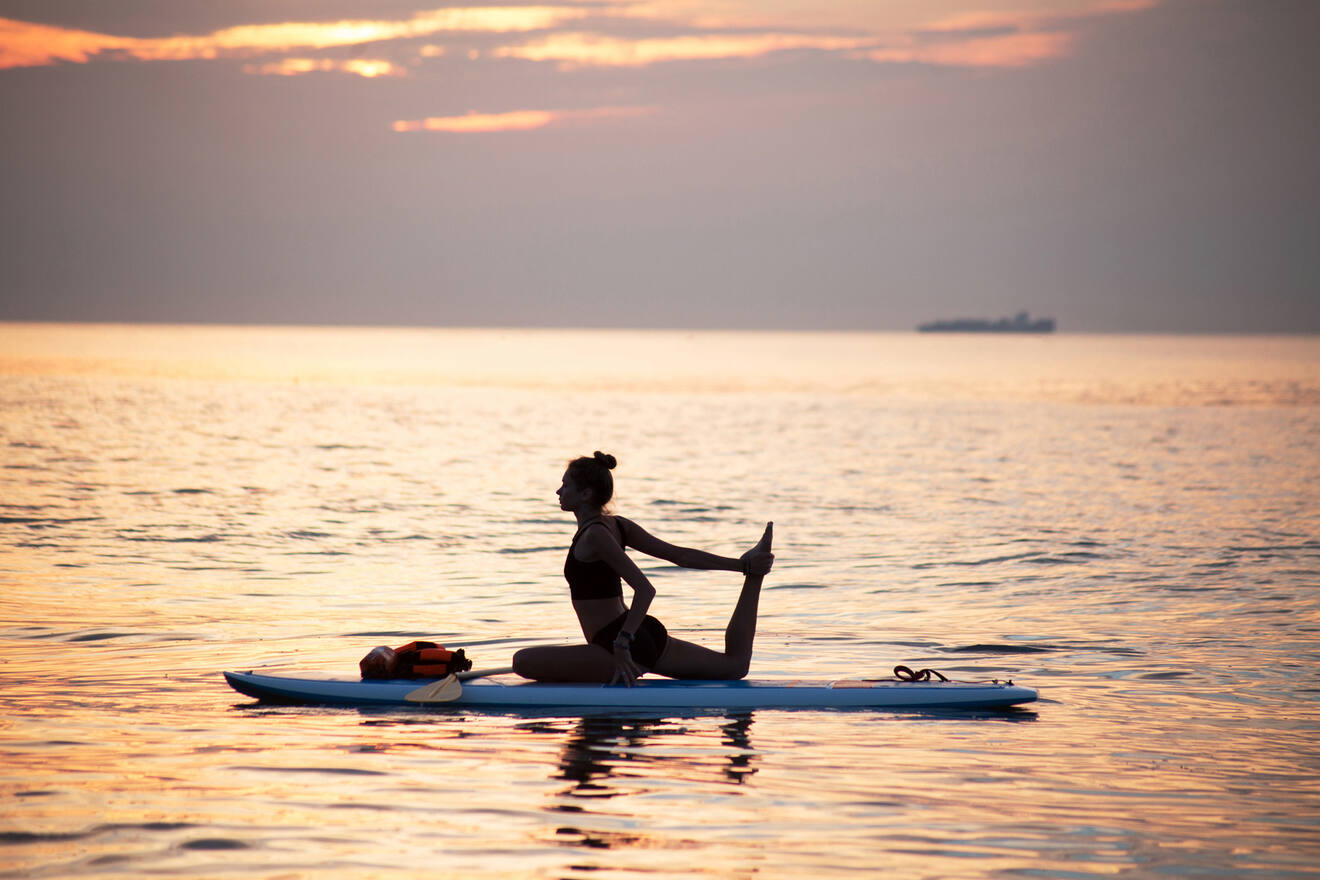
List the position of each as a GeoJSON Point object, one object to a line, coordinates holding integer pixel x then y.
{"type": "Point", "coordinates": [626, 669]}
{"type": "Point", "coordinates": [759, 559]}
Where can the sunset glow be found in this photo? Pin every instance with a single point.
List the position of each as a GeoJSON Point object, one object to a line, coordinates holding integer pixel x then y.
{"type": "Point", "coordinates": [784, 163]}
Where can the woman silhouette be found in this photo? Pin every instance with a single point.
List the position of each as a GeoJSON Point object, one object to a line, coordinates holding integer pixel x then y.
{"type": "Point", "coordinates": [624, 642]}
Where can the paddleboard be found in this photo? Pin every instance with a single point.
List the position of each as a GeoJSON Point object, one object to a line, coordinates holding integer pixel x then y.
{"type": "Point", "coordinates": [490, 693]}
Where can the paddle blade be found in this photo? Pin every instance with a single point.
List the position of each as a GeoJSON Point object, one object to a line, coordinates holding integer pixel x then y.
{"type": "Point", "coordinates": [444, 690]}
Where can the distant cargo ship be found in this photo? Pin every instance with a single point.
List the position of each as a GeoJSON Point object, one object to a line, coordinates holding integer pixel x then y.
{"type": "Point", "coordinates": [1020, 323]}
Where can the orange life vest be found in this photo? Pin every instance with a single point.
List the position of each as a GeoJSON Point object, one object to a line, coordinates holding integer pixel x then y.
{"type": "Point", "coordinates": [413, 660]}
{"type": "Point", "coordinates": [428, 660]}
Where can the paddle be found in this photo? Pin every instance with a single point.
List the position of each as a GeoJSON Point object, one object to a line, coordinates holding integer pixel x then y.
{"type": "Point", "coordinates": [444, 690]}
{"type": "Point", "coordinates": [449, 688]}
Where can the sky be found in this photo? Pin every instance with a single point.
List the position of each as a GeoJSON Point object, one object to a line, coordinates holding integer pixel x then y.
{"type": "Point", "coordinates": [1119, 165]}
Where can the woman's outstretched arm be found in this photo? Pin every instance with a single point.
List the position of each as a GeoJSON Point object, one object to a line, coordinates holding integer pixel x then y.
{"type": "Point", "coordinates": [750, 562]}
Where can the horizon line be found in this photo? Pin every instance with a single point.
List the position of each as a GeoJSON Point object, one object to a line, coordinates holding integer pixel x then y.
{"type": "Point", "coordinates": [630, 329]}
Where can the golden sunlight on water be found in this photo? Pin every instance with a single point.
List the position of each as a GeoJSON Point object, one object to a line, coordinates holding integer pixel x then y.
{"type": "Point", "coordinates": [1073, 368]}
{"type": "Point", "coordinates": [1128, 524]}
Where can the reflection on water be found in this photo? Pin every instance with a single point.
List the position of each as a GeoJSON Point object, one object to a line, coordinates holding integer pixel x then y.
{"type": "Point", "coordinates": [1129, 524]}
{"type": "Point", "coordinates": [600, 752]}
{"type": "Point", "coordinates": [602, 745]}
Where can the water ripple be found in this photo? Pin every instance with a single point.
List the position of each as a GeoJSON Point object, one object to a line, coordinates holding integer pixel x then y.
{"type": "Point", "coordinates": [1150, 568]}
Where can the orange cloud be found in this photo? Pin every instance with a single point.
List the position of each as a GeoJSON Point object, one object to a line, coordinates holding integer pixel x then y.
{"type": "Point", "coordinates": [1023, 21]}
{"type": "Point", "coordinates": [589, 50]}
{"type": "Point", "coordinates": [1008, 50]}
{"type": "Point", "coordinates": [516, 120]}
{"type": "Point", "coordinates": [968, 39]}
{"type": "Point", "coordinates": [858, 16]}
{"type": "Point", "coordinates": [973, 38]}
{"type": "Point", "coordinates": [366, 67]}
{"type": "Point", "coordinates": [25, 44]}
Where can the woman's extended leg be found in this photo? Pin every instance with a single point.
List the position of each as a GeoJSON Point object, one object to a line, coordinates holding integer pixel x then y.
{"type": "Point", "coordinates": [685, 660]}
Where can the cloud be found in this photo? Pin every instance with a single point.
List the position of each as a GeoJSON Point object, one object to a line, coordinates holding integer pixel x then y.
{"type": "Point", "coordinates": [26, 44]}
{"type": "Point", "coordinates": [969, 39]}
{"type": "Point", "coordinates": [978, 20]}
{"type": "Point", "coordinates": [1006, 50]}
{"type": "Point", "coordinates": [365, 67]}
{"type": "Point", "coordinates": [515, 120]}
{"type": "Point", "coordinates": [973, 38]}
{"type": "Point", "coordinates": [996, 39]}
{"type": "Point", "coordinates": [596, 50]}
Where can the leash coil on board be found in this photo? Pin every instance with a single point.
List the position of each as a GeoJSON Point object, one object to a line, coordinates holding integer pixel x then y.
{"type": "Point", "coordinates": [905, 673]}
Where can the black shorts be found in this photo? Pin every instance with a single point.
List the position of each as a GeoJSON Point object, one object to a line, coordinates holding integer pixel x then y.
{"type": "Point", "coordinates": [646, 649]}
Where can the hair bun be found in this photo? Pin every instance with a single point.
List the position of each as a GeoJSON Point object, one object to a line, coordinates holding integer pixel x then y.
{"type": "Point", "coordinates": [606, 459]}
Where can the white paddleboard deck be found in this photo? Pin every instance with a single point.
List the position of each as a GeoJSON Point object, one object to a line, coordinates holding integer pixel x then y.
{"type": "Point", "coordinates": [491, 693]}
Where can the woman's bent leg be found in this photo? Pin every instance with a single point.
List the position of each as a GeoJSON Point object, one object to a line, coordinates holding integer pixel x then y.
{"type": "Point", "coordinates": [688, 661]}
{"type": "Point", "coordinates": [685, 660]}
{"type": "Point", "coordinates": [565, 663]}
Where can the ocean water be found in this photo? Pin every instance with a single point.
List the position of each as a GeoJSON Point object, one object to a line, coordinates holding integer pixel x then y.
{"type": "Point", "coordinates": [1129, 524]}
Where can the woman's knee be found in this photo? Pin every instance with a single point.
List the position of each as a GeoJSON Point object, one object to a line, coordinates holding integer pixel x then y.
{"type": "Point", "coordinates": [524, 663]}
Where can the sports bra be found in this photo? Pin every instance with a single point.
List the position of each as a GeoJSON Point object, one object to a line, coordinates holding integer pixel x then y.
{"type": "Point", "coordinates": [594, 580]}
